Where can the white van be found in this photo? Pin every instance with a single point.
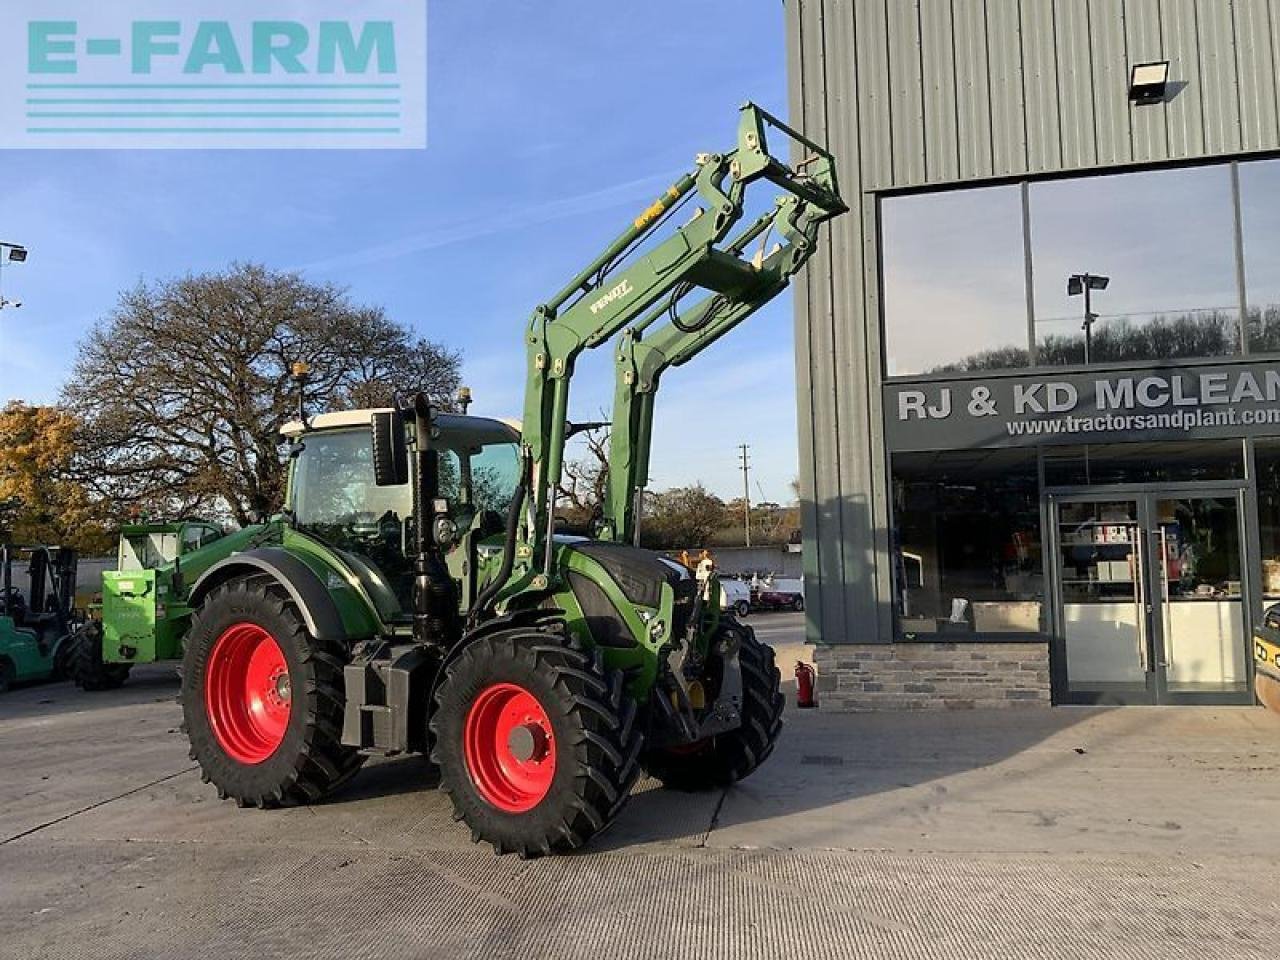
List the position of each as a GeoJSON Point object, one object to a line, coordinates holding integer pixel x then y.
{"type": "Point", "coordinates": [735, 596]}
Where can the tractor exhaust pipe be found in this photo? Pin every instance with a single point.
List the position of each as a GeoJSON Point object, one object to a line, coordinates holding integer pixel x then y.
{"type": "Point", "coordinates": [435, 608]}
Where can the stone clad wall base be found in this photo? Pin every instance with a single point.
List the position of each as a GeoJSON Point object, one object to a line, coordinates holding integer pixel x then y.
{"type": "Point", "coordinates": [932, 676]}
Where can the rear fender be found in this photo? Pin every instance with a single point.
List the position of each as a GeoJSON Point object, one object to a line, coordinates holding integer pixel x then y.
{"type": "Point", "coordinates": [311, 595]}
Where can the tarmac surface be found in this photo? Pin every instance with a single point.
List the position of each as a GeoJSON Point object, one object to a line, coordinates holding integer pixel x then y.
{"type": "Point", "coordinates": [1052, 833]}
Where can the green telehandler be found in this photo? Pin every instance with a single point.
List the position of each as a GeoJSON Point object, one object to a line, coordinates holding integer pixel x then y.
{"type": "Point", "coordinates": [417, 592]}
{"type": "Point", "coordinates": [36, 626]}
{"type": "Point", "coordinates": [144, 612]}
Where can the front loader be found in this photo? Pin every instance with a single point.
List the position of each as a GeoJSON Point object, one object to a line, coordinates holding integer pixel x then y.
{"type": "Point", "coordinates": [415, 594]}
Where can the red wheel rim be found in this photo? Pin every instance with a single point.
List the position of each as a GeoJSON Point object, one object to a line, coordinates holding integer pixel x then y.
{"type": "Point", "coordinates": [509, 747]}
{"type": "Point", "coordinates": [247, 693]}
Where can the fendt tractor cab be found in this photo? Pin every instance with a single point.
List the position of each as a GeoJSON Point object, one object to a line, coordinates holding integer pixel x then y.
{"type": "Point", "coordinates": [417, 593]}
{"type": "Point", "coordinates": [35, 623]}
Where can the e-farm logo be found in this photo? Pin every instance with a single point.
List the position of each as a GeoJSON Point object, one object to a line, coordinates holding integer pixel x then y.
{"type": "Point", "coordinates": [213, 73]}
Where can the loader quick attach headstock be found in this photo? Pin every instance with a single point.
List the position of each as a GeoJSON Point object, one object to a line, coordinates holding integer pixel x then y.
{"type": "Point", "coordinates": [605, 298]}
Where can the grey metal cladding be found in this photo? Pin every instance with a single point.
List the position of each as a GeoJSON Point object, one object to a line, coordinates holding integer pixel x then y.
{"type": "Point", "coordinates": [915, 93]}
{"type": "Point", "coordinates": [1255, 33]}
{"type": "Point", "coordinates": [972, 87]}
{"type": "Point", "coordinates": [937, 56]}
{"type": "Point", "coordinates": [1148, 128]}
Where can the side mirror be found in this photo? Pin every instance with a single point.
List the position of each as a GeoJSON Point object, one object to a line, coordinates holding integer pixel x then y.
{"type": "Point", "coordinates": [390, 449]}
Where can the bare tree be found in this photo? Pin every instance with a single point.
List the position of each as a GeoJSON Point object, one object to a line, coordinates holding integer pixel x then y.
{"type": "Point", "coordinates": [585, 479]}
{"type": "Point", "coordinates": [182, 390]}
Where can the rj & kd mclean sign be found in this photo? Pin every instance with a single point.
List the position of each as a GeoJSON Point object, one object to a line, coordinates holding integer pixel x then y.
{"type": "Point", "coordinates": [1193, 402]}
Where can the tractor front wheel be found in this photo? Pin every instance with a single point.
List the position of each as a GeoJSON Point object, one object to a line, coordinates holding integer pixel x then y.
{"type": "Point", "coordinates": [725, 759]}
{"type": "Point", "coordinates": [262, 699]}
{"type": "Point", "coordinates": [536, 740]}
{"type": "Point", "coordinates": [84, 663]}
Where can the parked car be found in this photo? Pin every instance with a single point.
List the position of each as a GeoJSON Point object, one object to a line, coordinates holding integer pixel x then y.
{"type": "Point", "coordinates": [736, 596]}
{"type": "Point", "coordinates": [782, 593]}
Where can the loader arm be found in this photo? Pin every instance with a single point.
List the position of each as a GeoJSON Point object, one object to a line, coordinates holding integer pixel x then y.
{"type": "Point", "coordinates": [604, 298]}
{"type": "Point", "coordinates": [643, 357]}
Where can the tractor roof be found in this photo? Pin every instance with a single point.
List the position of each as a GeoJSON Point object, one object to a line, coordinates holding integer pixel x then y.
{"type": "Point", "coordinates": [493, 429]}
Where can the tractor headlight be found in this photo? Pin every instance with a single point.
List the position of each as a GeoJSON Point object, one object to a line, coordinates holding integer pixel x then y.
{"type": "Point", "coordinates": [446, 532]}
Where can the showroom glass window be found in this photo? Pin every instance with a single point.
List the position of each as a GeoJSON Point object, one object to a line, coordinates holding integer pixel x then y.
{"type": "Point", "coordinates": [1260, 226]}
{"type": "Point", "coordinates": [1165, 239]}
{"type": "Point", "coordinates": [1157, 462]}
{"type": "Point", "coordinates": [954, 281]}
{"type": "Point", "coordinates": [967, 542]}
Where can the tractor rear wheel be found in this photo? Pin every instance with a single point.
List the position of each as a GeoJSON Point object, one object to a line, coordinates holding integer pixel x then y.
{"type": "Point", "coordinates": [725, 759]}
{"type": "Point", "coordinates": [536, 740]}
{"type": "Point", "coordinates": [84, 663]}
{"type": "Point", "coordinates": [262, 699]}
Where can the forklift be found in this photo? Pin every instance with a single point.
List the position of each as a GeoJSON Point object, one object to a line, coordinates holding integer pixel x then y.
{"type": "Point", "coordinates": [36, 626]}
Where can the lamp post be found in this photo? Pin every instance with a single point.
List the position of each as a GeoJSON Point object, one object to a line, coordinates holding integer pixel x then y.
{"type": "Point", "coordinates": [15, 253]}
{"type": "Point", "coordinates": [1086, 283]}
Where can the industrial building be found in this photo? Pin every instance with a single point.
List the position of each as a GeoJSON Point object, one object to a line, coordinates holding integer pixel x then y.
{"type": "Point", "coordinates": [1039, 364]}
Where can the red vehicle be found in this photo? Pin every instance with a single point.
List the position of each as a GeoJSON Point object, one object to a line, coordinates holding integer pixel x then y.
{"type": "Point", "coordinates": [780, 594]}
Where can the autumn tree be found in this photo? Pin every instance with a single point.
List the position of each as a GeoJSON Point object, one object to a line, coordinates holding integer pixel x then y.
{"type": "Point", "coordinates": [40, 501]}
{"type": "Point", "coordinates": [183, 388]}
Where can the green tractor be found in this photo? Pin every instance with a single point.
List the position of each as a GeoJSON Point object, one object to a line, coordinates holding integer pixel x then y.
{"type": "Point", "coordinates": [36, 626]}
{"type": "Point", "coordinates": [419, 594]}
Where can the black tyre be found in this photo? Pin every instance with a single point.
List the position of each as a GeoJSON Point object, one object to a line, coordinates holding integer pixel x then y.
{"type": "Point", "coordinates": [262, 699]}
{"type": "Point", "coordinates": [61, 660]}
{"type": "Point", "coordinates": [725, 759]}
{"type": "Point", "coordinates": [7, 675]}
{"type": "Point", "coordinates": [536, 740]}
{"type": "Point", "coordinates": [742, 608]}
{"type": "Point", "coordinates": [84, 663]}
{"type": "Point", "coordinates": [797, 604]}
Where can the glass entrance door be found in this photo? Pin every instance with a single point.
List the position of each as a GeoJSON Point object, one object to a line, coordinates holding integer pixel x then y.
{"type": "Point", "coordinates": [1103, 619]}
{"type": "Point", "coordinates": [1199, 576]}
{"type": "Point", "coordinates": [1149, 599]}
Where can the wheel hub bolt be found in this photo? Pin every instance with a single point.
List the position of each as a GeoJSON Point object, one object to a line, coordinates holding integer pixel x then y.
{"type": "Point", "coordinates": [282, 688]}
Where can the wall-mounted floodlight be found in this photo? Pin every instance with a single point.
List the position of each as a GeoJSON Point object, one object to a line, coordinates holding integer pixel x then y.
{"type": "Point", "coordinates": [1148, 81]}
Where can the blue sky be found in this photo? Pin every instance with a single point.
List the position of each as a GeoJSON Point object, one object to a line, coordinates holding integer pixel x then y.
{"type": "Point", "coordinates": [550, 124]}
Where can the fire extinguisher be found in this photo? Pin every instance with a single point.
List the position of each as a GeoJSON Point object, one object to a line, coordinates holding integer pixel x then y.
{"type": "Point", "coordinates": [804, 686]}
